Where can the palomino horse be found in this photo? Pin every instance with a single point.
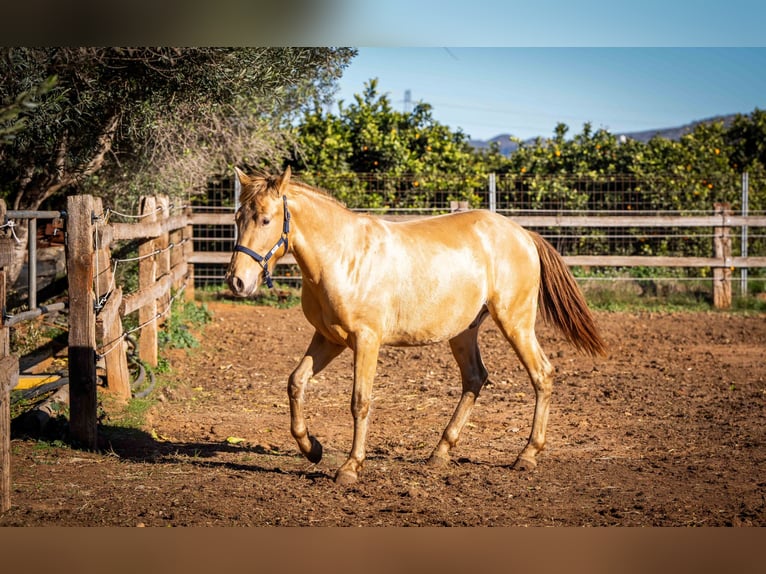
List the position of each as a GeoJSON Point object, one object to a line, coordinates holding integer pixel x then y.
{"type": "Point", "coordinates": [369, 282]}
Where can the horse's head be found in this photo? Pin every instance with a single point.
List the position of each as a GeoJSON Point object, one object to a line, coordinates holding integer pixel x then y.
{"type": "Point", "coordinates": [263, 227]}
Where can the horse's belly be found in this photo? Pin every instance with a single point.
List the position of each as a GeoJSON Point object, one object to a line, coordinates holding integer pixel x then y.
{"type": "Point", "coordinates": [429, 322]}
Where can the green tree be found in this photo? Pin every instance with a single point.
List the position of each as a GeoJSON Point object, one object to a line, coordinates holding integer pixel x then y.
{"type": "Point", "coordinates": [747, 139]}
{"type": "Point", "coordinates": [372, 155]}
{"type": "Point", "coordinates": [12, 120]}
{"type": "Point", "coordinates": [136, 116]}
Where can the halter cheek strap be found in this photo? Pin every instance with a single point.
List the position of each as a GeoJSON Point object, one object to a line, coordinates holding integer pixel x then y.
{"type": "Point", "coordinates": [263, 260]}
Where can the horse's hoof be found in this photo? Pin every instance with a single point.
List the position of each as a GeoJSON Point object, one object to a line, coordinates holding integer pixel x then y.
{"type": "Point", "coordinates": [345, 477]}
{"type": "Point", "coordinates": [524, 464]}
{"type": "Point", "coordinates": [438, 461]}
{"type": "Point", "coordinates": [315, 454]}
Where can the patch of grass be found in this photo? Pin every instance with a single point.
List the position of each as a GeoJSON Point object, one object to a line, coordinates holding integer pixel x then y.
{"type": "Point", "coordinates": [282, 296]}
{"type": "Point", "coordinates": [133, 415]}
{"type": "Point", "coordinates": [48, 445]}
{"type": "Point", "coordinates": [29, 336]}
{"type": "Point", "coordinates": [748, 304]}
{"type": "Point", "coordinates": [184, 316]}
{"type": "Point", "coordinates": [605, 299]}
{"type": "Point", "coordinates": [652, 289]}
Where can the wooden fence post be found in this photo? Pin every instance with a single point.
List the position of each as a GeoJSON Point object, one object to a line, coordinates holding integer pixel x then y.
{"type": "Point", "coordinates": [9, 375]}
{"type": "Point", "coordinates": [188, 235]}
{"type": "Point", "coordinates": [722, 251]}
{"type": "Point", "coordinates": [456, 206]}
{"type": "Point", "coordinates": [83, 400]}
{"type": "Point", "coordinates": [163, 258]}
{"type": "Point", "coordinates": [109, 332]}
{"type": "Point", "coordinates": [147, 275]}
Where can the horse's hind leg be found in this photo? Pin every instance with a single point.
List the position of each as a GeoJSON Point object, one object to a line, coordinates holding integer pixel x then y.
{"type": "Point", "coordinates": [521, 335]}
{"type": "Point", "coordinates": [465, 349]}
{"type": "Point", "coordinates": [366, 345]}
{"type": "Point", "coordinates": [317, 357]}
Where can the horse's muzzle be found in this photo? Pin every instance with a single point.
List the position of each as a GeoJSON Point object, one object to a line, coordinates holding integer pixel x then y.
{"type": "Point", "coordinates": [237, 285]}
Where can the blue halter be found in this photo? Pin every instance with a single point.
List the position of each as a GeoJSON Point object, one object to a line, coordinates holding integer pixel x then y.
{"type": "Point", "coordinates": [263, 261]}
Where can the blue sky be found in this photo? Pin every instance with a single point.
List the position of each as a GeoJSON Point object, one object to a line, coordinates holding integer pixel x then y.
{"type": "Point", "coordinates": [543, 22]}
{"type": "Point", "coordinates": [519, 67]}
{"type": "Point", "coordinates": [527, 91]}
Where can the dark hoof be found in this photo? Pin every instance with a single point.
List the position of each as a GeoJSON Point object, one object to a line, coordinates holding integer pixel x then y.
{"type": "Point", "coordinates": [345, 477]}
{"type": "Point", "coordinates": [438, 461]}
{"type": "Point", "coordinates": [525, 464]}
{"type": "Point", "coordinates": [315, 454]}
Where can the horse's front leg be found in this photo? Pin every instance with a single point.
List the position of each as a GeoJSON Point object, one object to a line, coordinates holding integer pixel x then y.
{"type": "Point", "coordinates": [317, 357]}
{"type": "Point", "coordinates": [366, 348]}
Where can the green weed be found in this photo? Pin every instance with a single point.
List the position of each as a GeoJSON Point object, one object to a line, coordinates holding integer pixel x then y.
{"type": "Point", "coordinates": [185, 316]}
{"type": "Point", "coordinates": [282, 296]}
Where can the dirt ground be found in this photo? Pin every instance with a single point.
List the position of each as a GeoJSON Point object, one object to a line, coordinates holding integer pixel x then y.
{"type": "Point", "coordinates": [666, 431]}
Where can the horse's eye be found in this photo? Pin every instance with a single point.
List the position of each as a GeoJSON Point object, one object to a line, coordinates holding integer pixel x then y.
{"type": "Point", "coordinates": [265, 221]}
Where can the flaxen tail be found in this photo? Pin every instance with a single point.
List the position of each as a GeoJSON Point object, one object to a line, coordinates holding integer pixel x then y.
{"type": "Point", "coordinates": [562, 303]}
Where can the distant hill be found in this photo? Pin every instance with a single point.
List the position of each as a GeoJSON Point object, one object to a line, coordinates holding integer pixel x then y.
{"type": "Point", "coordinates": [677, 132]}
{"type": "Point", "coordinates": [507, 147]}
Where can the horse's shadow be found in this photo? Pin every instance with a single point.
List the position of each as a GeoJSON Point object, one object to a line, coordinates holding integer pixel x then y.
{"type": "Point", "coordinates": [139, 446]}
{"type": "Point", "coordinates": [136, 445]}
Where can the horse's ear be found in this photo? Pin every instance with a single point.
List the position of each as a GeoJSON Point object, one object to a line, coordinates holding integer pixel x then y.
{"type": "Point", "coordinates": [284, 181]}
{"type": "Point", "coordinates": [243, 177]}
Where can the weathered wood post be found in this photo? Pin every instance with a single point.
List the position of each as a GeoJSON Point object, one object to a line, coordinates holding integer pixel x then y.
{"type": "Point", "coordinates": [188, 235]}
{"type": "Point", "coordinates": [83, 399]}
{"type": "Point", "coordinates": [9, 375]}
{"type": "Point", "coordinates": [722, 251]}
{"type": "Point", "coordinates": [147, 275]}
{"type": "Point", "coordinates": [109, 332]}
{"type": "Point", "coordinates": [163, 258]}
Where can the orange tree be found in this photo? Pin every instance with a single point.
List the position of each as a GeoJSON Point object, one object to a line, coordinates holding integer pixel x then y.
{"type": "Point", "coordinates": [371, 155]}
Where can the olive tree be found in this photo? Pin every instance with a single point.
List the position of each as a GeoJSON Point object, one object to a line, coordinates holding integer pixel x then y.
{"type": "Point", "coordinates": [119, 122]}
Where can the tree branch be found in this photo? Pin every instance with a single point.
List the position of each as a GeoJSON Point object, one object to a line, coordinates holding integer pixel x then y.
{"type": "Point", "coordinates": [64, 179]}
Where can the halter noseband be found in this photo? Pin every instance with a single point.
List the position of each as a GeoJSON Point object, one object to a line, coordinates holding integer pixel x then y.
{"type": "Point", "coordinates": [263, 261]}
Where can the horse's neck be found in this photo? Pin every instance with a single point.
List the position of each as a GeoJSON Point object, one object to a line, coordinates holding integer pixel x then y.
{"type": "Point", "coordinates": [323, 229]}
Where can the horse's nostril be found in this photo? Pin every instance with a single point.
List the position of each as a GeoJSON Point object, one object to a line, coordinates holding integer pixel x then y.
{"type": "Point", "coordinates": [236, 284]}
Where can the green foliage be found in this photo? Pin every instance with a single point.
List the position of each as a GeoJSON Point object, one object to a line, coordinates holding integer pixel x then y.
{"type": "Point", "coordinates": [281, 296]}
{"type": "Point", "coordinates": [373, 156]}
{"type": "Point", "coordinates": [135, 120]}
{"type": "Point", "coordinates": [12, 115]}
{"type": "Point", "coordinates": [661, 175]}
{"type": "Point", "coordinates": [370, 155]}
{"type": "Point", "coordinates": [185, 316]}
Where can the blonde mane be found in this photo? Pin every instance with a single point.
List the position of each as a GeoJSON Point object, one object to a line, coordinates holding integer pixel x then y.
{"type": "Point", "coordinates": [257, 185]}
{"type": "Point", "coordinates": [262, 183]}
{"type": "Point", "coordinates": [300, 186]}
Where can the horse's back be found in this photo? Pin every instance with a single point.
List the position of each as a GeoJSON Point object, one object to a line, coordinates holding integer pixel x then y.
{"type": "Point", "coordinates": [436, 275]}
{"type": "Point", "coordinates": [488, 239]}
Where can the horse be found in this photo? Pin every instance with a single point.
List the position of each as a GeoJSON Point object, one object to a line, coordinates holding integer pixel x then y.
{"type": "Point", "coordinates": [368, 282]}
